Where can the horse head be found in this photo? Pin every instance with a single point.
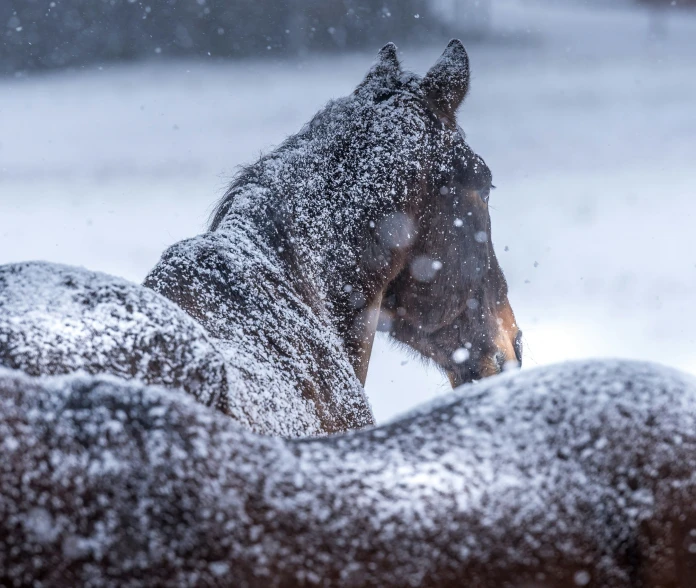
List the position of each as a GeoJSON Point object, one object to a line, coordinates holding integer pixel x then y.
{"type": "Point", "coordinates": [449, 299]}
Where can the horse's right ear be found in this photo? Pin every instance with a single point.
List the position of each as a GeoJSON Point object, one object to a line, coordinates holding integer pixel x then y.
{"type": "Point", "coordinates": [447, 83]}
{"type": "Point", "coordinates": [386, 69]}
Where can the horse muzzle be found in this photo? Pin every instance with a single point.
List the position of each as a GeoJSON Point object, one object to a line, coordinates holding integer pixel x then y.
{"type": "Point", "coordinates": [503, 359]}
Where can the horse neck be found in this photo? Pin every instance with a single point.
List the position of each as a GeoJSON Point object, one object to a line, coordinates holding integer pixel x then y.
{"type": "Point", "coordinates": [327, 247]}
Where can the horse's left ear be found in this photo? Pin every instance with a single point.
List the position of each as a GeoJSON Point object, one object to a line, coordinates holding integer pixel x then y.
{"type": "Point", "coordinates": [386, 69]}
{"type": "Point", "coordinates": [447, 83]}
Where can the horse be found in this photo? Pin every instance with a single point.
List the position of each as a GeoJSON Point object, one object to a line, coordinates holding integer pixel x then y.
{"type": "Point", "coordinates": [377, 207]}
{"type": "Point", "coordinates": [573, 475]}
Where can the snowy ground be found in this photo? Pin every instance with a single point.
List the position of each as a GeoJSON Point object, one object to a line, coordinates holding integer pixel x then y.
{"type": "Point", "coordinates": [586, 116]}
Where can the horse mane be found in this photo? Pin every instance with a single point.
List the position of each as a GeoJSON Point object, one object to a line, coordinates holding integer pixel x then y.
{"type": "Point", "coordinates": [251, 174]}
{"type": "Point", "coordinates": [243, 177]}
{"type": "Point", "coordinates": [335, 135]}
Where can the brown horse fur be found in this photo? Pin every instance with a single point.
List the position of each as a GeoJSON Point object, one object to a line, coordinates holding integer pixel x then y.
{"type": "Point", "coordinates": [580, 475]}
{"type": "Point", "coordinates": [377, 203]}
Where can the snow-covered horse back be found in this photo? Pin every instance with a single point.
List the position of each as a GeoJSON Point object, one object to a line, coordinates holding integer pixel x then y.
{"type": "Point", "coordinates": [580, 475]}
{"type": "Point", "coordinates": [377, 205]}
{"type": "Point", "coordinates": [57, 319]}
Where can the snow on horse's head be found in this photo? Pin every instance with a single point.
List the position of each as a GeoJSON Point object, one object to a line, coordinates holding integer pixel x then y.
{"type": "Point", "coordinates": [449, 301]}
{"type": "Point", "coordinates": [384, 207]}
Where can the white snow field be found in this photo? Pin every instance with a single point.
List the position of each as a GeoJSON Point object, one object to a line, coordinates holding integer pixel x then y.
{"type": "Point", "coordinates": [585, 114]}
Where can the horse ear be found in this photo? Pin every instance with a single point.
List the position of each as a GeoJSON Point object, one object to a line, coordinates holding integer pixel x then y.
{"type": "Point", "coordinates": [386, 68]}
{"type": "Point", "coordinates": [447, 83]}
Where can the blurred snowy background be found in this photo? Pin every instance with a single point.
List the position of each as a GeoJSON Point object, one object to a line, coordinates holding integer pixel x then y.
{"type": "Point", "coordinates": [585, 111]}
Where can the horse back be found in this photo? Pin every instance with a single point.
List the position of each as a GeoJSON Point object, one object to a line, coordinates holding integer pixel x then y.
{"type": "Point", "coordinates": [57, 320]}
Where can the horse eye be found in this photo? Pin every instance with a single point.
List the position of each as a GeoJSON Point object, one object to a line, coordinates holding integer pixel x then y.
{"type": "Point", "coordinates": [485, 194]}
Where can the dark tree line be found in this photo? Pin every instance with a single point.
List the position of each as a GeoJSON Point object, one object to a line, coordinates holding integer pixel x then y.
{"type": "Point", "coordinates": [39, 34]}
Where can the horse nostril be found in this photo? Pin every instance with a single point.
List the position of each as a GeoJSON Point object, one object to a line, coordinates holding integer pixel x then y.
{"type": "Point", "coordinates": [518, 347]}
